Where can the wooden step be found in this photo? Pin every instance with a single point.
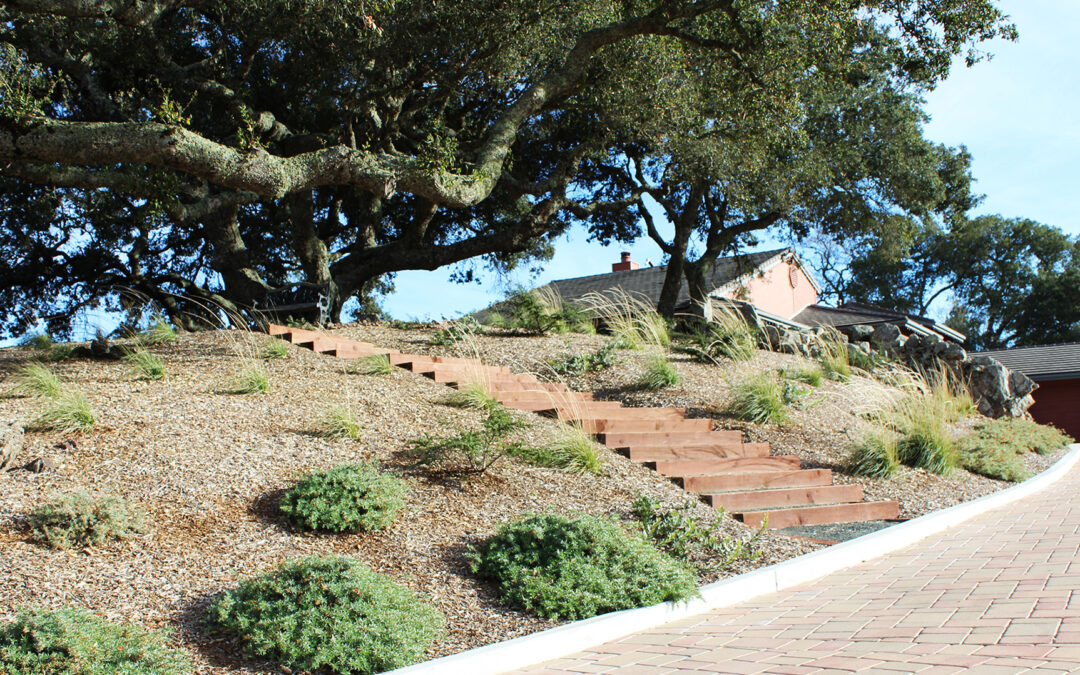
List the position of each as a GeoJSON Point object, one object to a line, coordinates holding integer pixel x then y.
{"type": "Point", "coordinates": [654, 453]}
{"type": "Point", "coordinates": [595, 425]}
{"type": "Point", "coordinates": [352, 352]}
{"type": "Point", "coordinates": [560, 398]}
{"type": "Point", "coordinates": [785, 497]}
{"type": "Point", "coordinates": [755, 480]}
{"type": "Point", "coordinates": [625, 439]}
{"type": "Point", "coordinates": [637, 414]}
{"type": "Point", "coordinates": [821, 515]}
{"type": "Point", "coordinates": [709, 467]}
{"type": "Point", "coordinates": [275, 329]}
{"type": "Point", "coordinates": [550, 406]}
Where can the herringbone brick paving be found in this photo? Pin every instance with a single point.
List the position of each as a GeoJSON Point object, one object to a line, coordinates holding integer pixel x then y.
{"type": "Point", "coordinates": [999, 593]}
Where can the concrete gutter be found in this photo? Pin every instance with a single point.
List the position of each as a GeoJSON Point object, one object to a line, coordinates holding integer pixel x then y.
{"type": "Point", "coordinates": [574, 637]}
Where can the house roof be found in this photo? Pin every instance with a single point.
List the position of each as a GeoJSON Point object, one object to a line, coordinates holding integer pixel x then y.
{"type": "Point", "coordinates": [852, 313]}
{"type": "Point", "coordinates": [1042, 363]}
{"type": "Point", "coordinates": [648, 281]}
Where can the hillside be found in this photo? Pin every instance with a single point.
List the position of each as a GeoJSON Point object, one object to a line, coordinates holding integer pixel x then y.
{"type": "Point", "coordinates": [208, 466]}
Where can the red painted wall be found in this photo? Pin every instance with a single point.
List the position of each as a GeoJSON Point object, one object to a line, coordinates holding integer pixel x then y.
{"type": "Point", "coordinates": [1057, 402]}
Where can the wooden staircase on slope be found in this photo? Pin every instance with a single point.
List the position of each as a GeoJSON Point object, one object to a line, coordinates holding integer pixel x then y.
{"type": "Point", "coordinates": [743, 478]}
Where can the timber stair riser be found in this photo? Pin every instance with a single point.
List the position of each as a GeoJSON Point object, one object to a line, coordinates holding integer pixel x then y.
{"type": "Point", "coordinates": [743, 478]}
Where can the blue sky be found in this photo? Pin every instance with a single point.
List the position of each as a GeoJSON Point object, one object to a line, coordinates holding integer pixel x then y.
{"type": "Point", "coordinates": [1015, 113]}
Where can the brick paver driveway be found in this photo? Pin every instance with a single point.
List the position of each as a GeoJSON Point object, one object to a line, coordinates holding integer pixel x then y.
{"type": "Point", "coordinates": [999, 593]}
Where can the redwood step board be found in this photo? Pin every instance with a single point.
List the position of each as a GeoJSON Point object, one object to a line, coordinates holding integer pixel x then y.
{"type": "Point", "coordinates": [656, 453]}
{"type": "Point", "coordinates": [276, 329]}
{"type": "Point", "coordinates": [612, 425]}
{"type": "Point", "coordinates": [755, 480]}
{"type": "Point", "coordinates": [560, 398]}
{"type": "Point", "coordinates": [635, 414]}
{"type": "Point", "coordinates": [549, 406]}
{"type": "Point", "coordinates": [503, 384]}
{"type": "Point", "coordinates": [821, 515]}
{"type": "Point", "coordinates": [624, 439]}
{"type": "Point", "coordinates": [350, 352]}
{"type": "Point", "coordinates": [785, 497]}
{"type": "Point", "coordinates": [709, 467]}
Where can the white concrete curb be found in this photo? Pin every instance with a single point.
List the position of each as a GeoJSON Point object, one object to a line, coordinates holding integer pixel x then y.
{"type": "Point", "coordinates": [579, 635]}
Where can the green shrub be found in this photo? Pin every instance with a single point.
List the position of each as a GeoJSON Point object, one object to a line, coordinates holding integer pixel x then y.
{"type": "Point", "coordinates": [158, 333]}
{"type": "Point", "coordinates": [275, 349]}
{"type": "Point", "coordinates": [763, 400]}
{"type": "Point", "coordinates": [347, 498]}
{"type": "Point", "coordinates": [681, 535]}
{"type": "Point", "coordinates": [601, 359]}
{"type": "Point", "coordinates": [659, 374]}
{"type": "Point", "coordinates": [145, 365]}
{"type": "Point", "coordinates": [470, 452]}
{"type": "Point", "coordinates": [80, 519]}
{"type": "Point", "coordinates": [78, 642]}
{"type": "Point", "coordinates": [574, 568]}
{"type": "Point", "coordinates": [68, 411]}
{"type": "Point", "coordinates": [1017, 435]}
{"type": "Point", "coordinates": [812, 375]}
{"type": "Point", "coordinates": [874, 456]}
{"type": "Point", "coordinates": [331, 614]}
{"type": "Point", "coordinates": [994, 462]}
{"type": "Point", "coordinates": [252, 378]}
{"type": "Point", "coordinates": [338, 422]}
{"type": "Point", "coordinates": [376, 364]}
{"type": "Point", "coordinates": [573, 450]}
{"type": "Point", "coordinates": [36, 379]}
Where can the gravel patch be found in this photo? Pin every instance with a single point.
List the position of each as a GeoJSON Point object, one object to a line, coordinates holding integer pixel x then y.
{"type": "Point", "coordinates": [208, 467]}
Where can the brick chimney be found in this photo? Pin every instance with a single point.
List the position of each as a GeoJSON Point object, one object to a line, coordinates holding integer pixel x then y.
{"type": "Point", "coordinates": [625, 264]}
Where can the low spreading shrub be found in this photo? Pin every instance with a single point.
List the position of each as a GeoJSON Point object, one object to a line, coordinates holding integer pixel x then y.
{"type": "Point", "coordinates": [542, 310]}
{"type": "Point", "coordinates": [659, 374]}
{"type": "Point", "coordinates": [602, 359]}
{"type": "Point", "coordinates": [347, 498]}
{"type": "Point", "coordinates": [329, 614]}
{"type": "Point", "coordinates": [680, 534]}
{"type": "Point", "coordinates": [78, 642]}
{"type": "Point", "coordinates": [470, 452]}
{"type": "Point", "coordinates": [574, 568]}
{"type": "Point", "coordinates": [994, 462]}
{"type": "Point", "coordinates": [874, 455]}
{"type": "Point", "coordinates": [1017, 435]}
{"type": "Point", "coordinates": [338, 422]}
{"type": "Point", "coordinates": [80, 519]}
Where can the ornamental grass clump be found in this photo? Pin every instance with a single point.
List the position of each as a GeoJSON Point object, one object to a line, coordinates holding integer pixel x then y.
{"type": "Point", "coordinates": [275, 349]}
{"type": "Point", "coordinates": [763, 400]}
{"type": "Point", "coordinates": [574, 568]}
{"type": "Point", "coordinates": [145, 365]}
{"type": "Point", "coordinates": [631, 319]}
{"type": "Point", "coordinates": [80, 520]}
{"type": "Point", "coordinates": [158, 333]}
{"type": "Point", "coordinates": [36, 379]}
{"type": "Point", "coordinates": [252, 378]}
{"type": "Point", "coordinates": [337, 421]}
{"type": "Point", "coordinates": [874, 455]}
{"type": "Point", "coordinates": [68, 411]}
{"type": "Point", "coordinates": [572, 450]}
{"type": "Point", "coordinates": [659, 374]}
{"type": "Point", "coordinates": [834, 356]}
{"type": "Point", "coordinates": [74, 641]}
{"type": "Point", "coordinates": [347, 498]}
{"type": "Point", "coordinates": [330, 614]}
{"type": "Point", "coordinates": [811, 375]}
{"type": "Point", "coordinates": [375, 364]}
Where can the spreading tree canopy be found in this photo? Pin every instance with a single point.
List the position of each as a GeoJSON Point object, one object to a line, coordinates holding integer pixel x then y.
{"type": "Point", "coordinates": [212, 150]}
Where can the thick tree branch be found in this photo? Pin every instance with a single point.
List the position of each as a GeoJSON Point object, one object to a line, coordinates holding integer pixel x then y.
{"type": "Point", "coordinates": [126, 12]}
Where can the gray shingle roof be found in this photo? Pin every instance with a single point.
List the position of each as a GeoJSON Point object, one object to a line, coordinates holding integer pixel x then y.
{"type": "Point", "coordinates": [648, 281]}
{"type": "Point", "coordinates": [850, 314]}
{"type": "Point", "coordinates": [1047, 362]}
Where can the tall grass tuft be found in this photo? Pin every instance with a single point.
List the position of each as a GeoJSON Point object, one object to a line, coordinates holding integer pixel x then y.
{"type": "Point", "coordinates": [659, 374]}
{"type": "Point", "coordinates": [874, 455]}
{"type": "Point", "coordinates": [338, 422]}
{"type": "Point", "coordinates": [759, 399]}
{"type": "Point", "coordinates": [631, 319]}
{"type": "Point", "coordinates": [923, 422]}
{"type": "Point", "coordinates": [36, 379]}
{"type": "Point", "coordinates": [275, 349]}
{"type": "Point", "coordinates": [252, 378]}
{"type": "Point", "coordinates": [833, 355]}
{"type": "Point", "coordinates": [473, 395]}
{"type": "Point", "coordinates": [145, 365]}
{"type": "Point", "coordinates": [376, 364]}
{"type": "Point", "coordinates": [158, 333]}
{"type": "Point", "coordinates": [811, 375]}
{"type": "Point", "coordinates": [68, 411]}
{"type": "Point", "coordinates": [572, 450]}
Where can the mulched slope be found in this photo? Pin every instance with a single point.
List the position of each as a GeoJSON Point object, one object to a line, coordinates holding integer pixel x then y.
{"type": "Point", "coordinates": [820, 433]}
{"type": "Point", "coordinates": [208, 466]}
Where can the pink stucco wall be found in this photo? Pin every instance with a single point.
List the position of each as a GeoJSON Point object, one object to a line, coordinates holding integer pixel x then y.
{"type": "Point", "coordinates": [773, 292]}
